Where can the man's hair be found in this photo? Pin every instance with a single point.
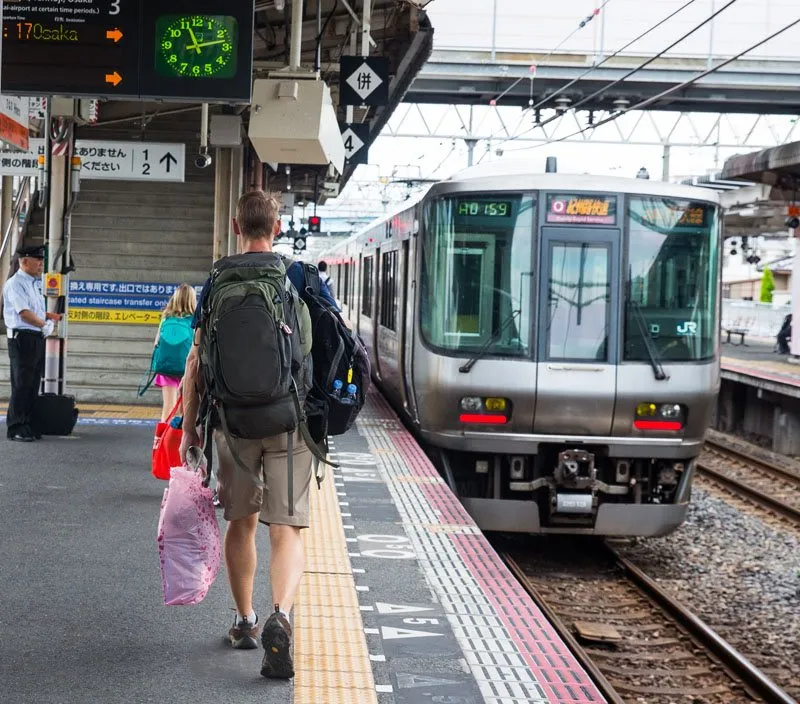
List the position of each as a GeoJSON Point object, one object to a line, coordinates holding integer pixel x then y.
{"type": "Point", "coordinates": [323, 267]}
{"type": "Point", "coordinates": [256, 213]}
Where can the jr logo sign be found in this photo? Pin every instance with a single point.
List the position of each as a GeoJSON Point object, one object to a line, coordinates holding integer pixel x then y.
{"type": "Point", "coordinates": [687, 329]}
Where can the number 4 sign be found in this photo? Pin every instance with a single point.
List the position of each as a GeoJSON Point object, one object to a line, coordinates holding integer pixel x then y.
{"type": "Point", "coordinates": [356, 140]}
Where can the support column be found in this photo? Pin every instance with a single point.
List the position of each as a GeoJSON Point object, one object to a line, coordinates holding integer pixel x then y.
{"type": "Point", "coordinates": [236, 189]}
{"type": "Point", "coordinates": [55, 349]}
{"type": "Point", "coordinates": [222, 202]}
{"type": "Point", "coordinates": [6, 211]}
{"type": "Point", "coordinates": [471, 143]}
{"type": "Point", "coordinates": [665, 163]}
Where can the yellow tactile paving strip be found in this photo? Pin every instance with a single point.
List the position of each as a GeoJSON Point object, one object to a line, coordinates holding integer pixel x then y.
{"type": "Point", "coordinates": [332, 664]}
{"type": "Point", "coordinates": [94, 410]}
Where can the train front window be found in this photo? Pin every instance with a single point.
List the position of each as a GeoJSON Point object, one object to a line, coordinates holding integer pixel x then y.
{"type": "Point", "coordinates": [476, 273]}
{"type": "Point", "coordinates": [579, 297]}
{"type": "Point", "coordinates": [672, 279]}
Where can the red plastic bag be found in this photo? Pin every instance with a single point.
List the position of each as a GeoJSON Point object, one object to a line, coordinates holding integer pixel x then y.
{"type": "Point", "coordinates": [188, 538]}
{"type": "Point", "coordinates": [167, 446]}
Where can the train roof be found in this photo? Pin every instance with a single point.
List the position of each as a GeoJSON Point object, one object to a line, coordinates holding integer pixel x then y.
{"type": "Point", "coordinates": [495, 174]}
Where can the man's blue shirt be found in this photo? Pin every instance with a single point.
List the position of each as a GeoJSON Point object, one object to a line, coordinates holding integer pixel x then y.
{"type": "Point", "coordinates": [297, 276]}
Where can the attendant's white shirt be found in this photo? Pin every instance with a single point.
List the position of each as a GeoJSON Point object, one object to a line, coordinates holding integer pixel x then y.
{"type": "Point", "coordinates": [22, 292]}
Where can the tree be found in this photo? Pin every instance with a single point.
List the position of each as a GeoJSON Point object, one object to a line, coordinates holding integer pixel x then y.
{"type": "Point", "coordinates": [767, 286]}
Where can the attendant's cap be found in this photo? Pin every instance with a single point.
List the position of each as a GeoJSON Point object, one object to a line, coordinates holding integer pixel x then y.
{"type": "Point", "coordinates": [36, 252]}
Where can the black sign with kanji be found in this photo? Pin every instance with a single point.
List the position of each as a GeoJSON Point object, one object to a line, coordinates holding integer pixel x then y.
{"type": "Point", "coordinates": [356, 143]}
{"type": "Point", "coordinates": [364, 80]}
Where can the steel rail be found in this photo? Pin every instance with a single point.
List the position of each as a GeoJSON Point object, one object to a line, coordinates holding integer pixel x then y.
{"type": "Point", "coordinates": [751, 493]}
{"type": "Point", "coordinates": [605, 687]}
{"type": "Point", "coordinates": [731, 658]}
{"type": "Point", "coordinates": [774, 469]}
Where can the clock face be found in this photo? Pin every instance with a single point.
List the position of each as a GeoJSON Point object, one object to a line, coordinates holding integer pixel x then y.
{"type": "Point", "coordinates": [196, 46]}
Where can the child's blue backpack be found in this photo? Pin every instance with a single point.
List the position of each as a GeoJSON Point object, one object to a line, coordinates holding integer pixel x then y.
{"type": "Point", "coordinates": [169, 355]}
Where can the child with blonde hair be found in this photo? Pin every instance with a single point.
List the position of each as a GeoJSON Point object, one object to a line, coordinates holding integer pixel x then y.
{"type": "Point", "coordinates": [173, 342]}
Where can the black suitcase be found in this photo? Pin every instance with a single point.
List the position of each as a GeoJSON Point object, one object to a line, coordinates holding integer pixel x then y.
{"type": "Point", "coordinates": [54, 414]}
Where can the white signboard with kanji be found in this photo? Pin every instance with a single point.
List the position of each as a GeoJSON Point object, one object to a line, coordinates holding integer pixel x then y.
{"type": "Point", "coordinates": [14, 121]}
{"type": "Point", "coordinates": [109, 160]}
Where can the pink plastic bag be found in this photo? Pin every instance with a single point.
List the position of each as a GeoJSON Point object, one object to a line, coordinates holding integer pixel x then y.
{"type": "Point", "coordinates": [188, 538]}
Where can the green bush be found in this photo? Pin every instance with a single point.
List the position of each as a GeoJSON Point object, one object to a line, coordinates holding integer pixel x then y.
{"type": "Point", "coordinates": [767, 286]}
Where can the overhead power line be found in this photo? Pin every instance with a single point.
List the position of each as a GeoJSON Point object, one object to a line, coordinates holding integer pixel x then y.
{"type": "Point", "coordinates": [680, 86]}
{"type": "Point", "coordinates": [608, 58]}
{"type": "Point", "coordinates": [586, 20]}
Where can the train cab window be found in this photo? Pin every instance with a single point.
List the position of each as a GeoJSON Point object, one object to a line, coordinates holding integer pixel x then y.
{"type": "Point", "coordinates": [579, 296]}
{"type": "Point", "coordinates": [388, 312]}
{"type": "Point", "coordinates": [366, 287]}
{"type": "Point", "coordinates": [671, 279]}
{"type": "Point", "coordinates": [475, 285]}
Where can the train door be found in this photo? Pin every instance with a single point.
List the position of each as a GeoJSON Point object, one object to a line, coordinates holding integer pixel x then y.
{"type": "Point", "coordinates": [578, 331]}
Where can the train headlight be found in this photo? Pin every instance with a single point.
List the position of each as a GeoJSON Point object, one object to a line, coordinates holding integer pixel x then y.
{"type": "Point", "coordinates": [665, 416]}
{"type": "Point", "coordinates": [645, 410]}
{"type": "Point", "coordinates": [472, 403]}
{"type": "Point", "coordinates": [495, 404]}
{"type": "Point", "coordinates": [673, 411]}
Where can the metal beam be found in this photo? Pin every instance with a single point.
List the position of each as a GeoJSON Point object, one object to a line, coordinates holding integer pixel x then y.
{"type": "Point", "coordinates": [745, 86]}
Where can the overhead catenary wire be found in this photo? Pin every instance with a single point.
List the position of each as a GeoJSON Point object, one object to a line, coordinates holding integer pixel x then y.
{"type": "Point", "coordinates": [669, 91]}
{"type": "Point", "coordinates": [608, 58]}
{"type": "Point", "coordinates": [577, 29]}
{"type": "Point", "coordinates": [630, 73]}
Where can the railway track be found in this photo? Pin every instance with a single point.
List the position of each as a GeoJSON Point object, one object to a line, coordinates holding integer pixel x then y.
{"type": "Point", "coordinates": [638, 643]}
{"type": "Point", "coordinates": [768, 485]}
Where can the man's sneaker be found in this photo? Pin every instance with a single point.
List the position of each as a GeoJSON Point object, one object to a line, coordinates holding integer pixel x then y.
{"type": "Point", "coordinates": [243, 634]}
{"type": "Point", "coordinates": [277, 641]}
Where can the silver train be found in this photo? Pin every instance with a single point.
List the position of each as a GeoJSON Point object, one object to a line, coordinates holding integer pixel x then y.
{"type": "Point", "coordinates": [552, 340]}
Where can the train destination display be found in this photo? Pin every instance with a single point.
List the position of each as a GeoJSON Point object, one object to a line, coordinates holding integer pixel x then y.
{"type": "Point", "coordinates": [583, 209]}
{"type": "Point", "coordinates": [135, 49]}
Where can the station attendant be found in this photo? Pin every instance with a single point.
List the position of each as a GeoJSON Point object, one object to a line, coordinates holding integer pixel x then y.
{"type": "Point", "coordinates": [27, 326]}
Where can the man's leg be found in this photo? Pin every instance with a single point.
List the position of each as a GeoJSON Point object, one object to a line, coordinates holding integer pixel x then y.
{"type": "Point", "coordinates": [241, 501]}
{"type": "Point", "coordinates": [23, 368]}
{"type": "Point", "coordinates": [37, 352]}
{"type": "Point", "coordinates": [12, 415]}
{"type": "Point", "coordinates": [241, 561]}
{"type": "Point", "coordinates": [286, 564]}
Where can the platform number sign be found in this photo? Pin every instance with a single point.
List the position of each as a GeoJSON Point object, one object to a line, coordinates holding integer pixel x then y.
{"type": "Point", "coordinates": [364, 80]}
{"type": "Point", "coordinates": [356, 139]}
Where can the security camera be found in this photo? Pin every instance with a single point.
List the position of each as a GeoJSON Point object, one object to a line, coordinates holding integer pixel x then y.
{"type": "Point", "coordinates": [202, 160]}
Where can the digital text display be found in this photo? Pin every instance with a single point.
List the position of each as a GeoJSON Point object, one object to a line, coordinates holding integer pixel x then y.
{"type": "Point", "coordinates": [484, 208]}
{"type": "Point", "coordinates": [583, 209]}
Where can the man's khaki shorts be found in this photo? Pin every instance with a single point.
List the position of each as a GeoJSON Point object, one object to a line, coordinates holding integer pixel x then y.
{"type": "Point", "coordinates": [266, 459]}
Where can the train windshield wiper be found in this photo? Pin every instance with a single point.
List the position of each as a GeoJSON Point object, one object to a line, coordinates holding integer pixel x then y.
{"type": "Point", "coordinates": [467, 366]}
{"type": "Point", "coordinates": [652, 352]}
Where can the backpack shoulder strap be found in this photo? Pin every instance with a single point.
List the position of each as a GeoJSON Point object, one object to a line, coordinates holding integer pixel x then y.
{"type": "Point", "coordinates": [313, 280]}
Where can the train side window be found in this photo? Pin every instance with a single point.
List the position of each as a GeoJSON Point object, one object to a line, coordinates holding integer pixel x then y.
{"type": "Point", "coordinates": [346, 286]}
{"type": "Point", "coordinates": [366, 287]}
{"type": "Point", "coordinates": [388, 313]}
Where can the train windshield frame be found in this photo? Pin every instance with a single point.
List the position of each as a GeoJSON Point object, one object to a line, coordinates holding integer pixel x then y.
{"type": "Point", "coordinates": [475, 282]}
{"type": "Point", "coordinates": [671, 279]}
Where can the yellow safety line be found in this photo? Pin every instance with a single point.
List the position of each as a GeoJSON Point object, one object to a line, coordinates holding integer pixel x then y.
{"type": "Point", "coordinates": [332, 664]}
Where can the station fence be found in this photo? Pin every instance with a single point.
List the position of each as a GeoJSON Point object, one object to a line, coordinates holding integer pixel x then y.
{"type": "Point", "coordinates": [758, 319]}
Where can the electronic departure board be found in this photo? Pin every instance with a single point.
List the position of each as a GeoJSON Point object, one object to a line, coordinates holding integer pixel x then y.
{"type": "Point", "coordinates": [135, 49]}
{"type": "Point", "coordinates": [584, 209]}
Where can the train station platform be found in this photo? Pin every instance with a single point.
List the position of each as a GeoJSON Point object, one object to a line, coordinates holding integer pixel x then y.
{"type": "Point", "coordinates": [757, 364]}
{"type": "Point", "coordinates": [403, 599]}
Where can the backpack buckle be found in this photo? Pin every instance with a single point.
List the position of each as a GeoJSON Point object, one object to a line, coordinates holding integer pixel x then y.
{"type": "Point", "coordinates": [286, 329]}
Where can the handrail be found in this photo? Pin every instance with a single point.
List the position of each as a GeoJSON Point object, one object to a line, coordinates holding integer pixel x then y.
{"type": "Point", "coordinates": [24, 195]}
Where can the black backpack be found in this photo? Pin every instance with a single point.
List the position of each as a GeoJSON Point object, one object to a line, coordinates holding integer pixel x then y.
{"type": "Point", "coordinates": [337, 354]}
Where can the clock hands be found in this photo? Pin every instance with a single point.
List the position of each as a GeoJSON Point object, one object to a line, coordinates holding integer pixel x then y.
{"type": "Point", "coordinates": [194, 39]}
{"type": "Point", "coordinates": [197, 46]}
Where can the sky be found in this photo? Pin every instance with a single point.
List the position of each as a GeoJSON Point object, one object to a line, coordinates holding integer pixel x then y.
{"type": "Point", "coordinates": [520, 26]}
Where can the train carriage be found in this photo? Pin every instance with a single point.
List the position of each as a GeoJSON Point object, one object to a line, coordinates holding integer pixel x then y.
{"type": "Point", "coordinates": [551, 338]}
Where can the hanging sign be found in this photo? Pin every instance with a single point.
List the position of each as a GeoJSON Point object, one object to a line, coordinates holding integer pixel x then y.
{"type": "Point", "coordinates": [364, 80]}
{"type": "Point", "coordinates": [356, 139]}
{"type": "Point", "coordinates": [14, 121]}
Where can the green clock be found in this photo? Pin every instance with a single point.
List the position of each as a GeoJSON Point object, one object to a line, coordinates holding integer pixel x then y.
{"type": "Point", "coordinates": [196, 46]}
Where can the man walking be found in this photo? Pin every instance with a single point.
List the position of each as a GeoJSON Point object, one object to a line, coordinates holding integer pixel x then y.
{"type": "Point", "coordinates": [27, 325]}
{"type": "Point", "coordinates": [245, 464]}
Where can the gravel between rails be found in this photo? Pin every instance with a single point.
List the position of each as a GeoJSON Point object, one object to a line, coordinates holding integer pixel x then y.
{"type": "Point", "coordinates": [739, 575]}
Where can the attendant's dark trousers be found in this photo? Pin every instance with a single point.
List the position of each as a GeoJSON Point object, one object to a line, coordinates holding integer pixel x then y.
{"type": "Point", "coordinates": [26, 352]}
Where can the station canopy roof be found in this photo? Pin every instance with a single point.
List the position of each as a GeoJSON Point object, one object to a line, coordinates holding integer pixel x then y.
{"type": "Point", "coordinates": [399, 30]}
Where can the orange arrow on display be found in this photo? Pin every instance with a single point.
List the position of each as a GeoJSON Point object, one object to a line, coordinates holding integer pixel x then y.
{"type": "Point", "coordinates": [113, 78]}
{"type": "Point", "coordinates": [114, 34]}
